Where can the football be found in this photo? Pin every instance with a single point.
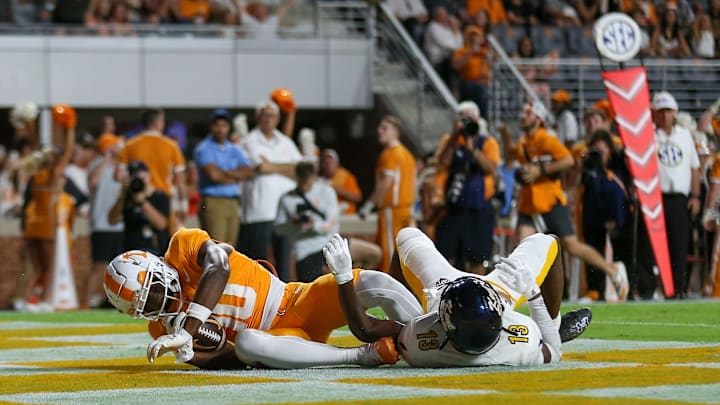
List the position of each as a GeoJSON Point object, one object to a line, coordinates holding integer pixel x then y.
{"type": "Point", "coordinates": [210, 336]}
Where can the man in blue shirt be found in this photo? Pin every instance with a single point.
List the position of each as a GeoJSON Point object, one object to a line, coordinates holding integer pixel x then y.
{"type": "Point", "coordinates": [221, 165]}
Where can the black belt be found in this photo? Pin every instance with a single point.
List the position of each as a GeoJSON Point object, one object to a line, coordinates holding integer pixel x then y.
{"type": "Point", "coordinates": [226, 198]}
{"type": "Point", "coordinates": [674, 195]}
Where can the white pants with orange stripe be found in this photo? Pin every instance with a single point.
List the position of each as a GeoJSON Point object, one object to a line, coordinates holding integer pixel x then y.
{"type": "Point", "coordinates": [425, 268]}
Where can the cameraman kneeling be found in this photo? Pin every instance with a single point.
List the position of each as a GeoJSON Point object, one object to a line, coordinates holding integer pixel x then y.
{"type": "Point", "coordinates": [144, 211]}
{"type": "Point", "coordinates": [604, 200]}
{"type": "Point", "coordinates": [465, 234]}
{"type": "Point", "coordinates": [310, 215]}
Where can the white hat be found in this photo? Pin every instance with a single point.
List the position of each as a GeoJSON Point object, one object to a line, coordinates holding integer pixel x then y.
{"type": "Point", "coordinates": [664, 101]}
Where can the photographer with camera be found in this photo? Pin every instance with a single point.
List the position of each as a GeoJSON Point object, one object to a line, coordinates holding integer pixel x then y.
{"type": "Point", "coordinates": [310, 215]}
{"type": "Point", "coordinates": [465, 234]}
{"type": "Point", "coordinates": [605, 203]}
{"type": "Point", "coordinates": [542, 204]}
{"type": "Point", "coordinates": [144, 211]}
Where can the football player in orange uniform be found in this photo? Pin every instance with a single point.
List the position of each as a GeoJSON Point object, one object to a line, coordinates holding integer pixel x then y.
{"type": "Point", "coordinates": [257, 310]}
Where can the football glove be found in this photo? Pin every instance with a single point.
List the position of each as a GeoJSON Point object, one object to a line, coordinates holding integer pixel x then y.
{"type": "Point", "coordinates": [517, 276]}
{"type": "Point", "coordinates": [180, 343]}
{"type": "Point", "coordinates": [337, 257]}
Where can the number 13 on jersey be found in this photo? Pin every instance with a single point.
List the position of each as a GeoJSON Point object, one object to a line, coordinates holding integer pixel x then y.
{"type": "Point", "coordinates": [428, 341]}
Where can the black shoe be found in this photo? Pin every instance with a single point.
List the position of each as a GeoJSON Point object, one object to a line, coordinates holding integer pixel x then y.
{"type": "Point", "coordinates": [574, 323]}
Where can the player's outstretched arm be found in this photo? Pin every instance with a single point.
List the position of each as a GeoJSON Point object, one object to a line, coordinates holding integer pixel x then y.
{"type": "Point", "coordinates": [366, 329]}
{"type": "Point", "coordinates": [214, 260]}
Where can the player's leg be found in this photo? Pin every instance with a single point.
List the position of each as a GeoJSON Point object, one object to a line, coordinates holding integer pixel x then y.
{"type": "Point", "coordinates": [377, 289]}
{"type": "Point", "coordinates": [538, 253]}
{"type": "Point", "coordinates": [385, 236]}
{"type": "Point", "coordinates": [260, 349]}
{"type": "Point", "coordinates": [421, 261]}
{"type": "Point", "coordinates": [553, 284]}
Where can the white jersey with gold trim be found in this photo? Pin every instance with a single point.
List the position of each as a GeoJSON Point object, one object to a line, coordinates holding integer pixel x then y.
{"type": "Point", "coordinates": [422, 343]}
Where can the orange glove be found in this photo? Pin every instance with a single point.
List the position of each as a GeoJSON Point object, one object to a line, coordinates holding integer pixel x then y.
{"type": "Point", "coordinates": [284, 99]}
{"type": "Point", "coordinates": [64, 115]}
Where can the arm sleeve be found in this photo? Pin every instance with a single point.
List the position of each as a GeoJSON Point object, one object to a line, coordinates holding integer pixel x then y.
{"type": "Point", "coordinates": [553, 146]}
{"type": "Point", "coordinates": [201, 156]}
{"type": "Point", "coordinates": [178, 159]}
{"type": "Point", "coordinates": [550, 334]}
{"type": "Point", "coordinates": [332, 211]}
{"type": "Point", "coordinates": [491, 149]}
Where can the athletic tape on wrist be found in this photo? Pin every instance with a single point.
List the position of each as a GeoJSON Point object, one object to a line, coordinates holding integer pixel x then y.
{"type": "Point", "coordinates": [199, 312]}
{"type": "Point", "coordinates": [343, 278]}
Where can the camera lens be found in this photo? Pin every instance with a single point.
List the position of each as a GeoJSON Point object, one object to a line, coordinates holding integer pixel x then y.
{"type": "Point", "coordinates": [470, 127]}
{"type": "Point", "coordinates": [136, 185]}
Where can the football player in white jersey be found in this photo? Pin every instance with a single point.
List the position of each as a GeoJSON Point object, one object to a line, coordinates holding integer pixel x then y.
{"type": "Point", "coordinates": [470, 319]}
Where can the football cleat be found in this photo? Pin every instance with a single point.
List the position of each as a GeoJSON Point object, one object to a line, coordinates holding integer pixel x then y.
{"type": "Point", "coordinates": [574, 323]}
{"type": "Point", "coordinates": [381, 351]}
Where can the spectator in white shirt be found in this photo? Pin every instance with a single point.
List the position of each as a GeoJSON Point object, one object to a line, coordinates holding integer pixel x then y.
{"type": "Point", "coordinates": [442, 37]}
{"type": "Point", "coordinates": [412, 15]}
{"type": "Point", "coordinates": [566, 125]}
{"type": "Point", "coordinates": [309, 214]}
{"type": "Point", "coordinates": [679, 169]}
{"type": "Point", "coordinates": [277, 156]}
{"type": "Point", "coordinates": [258, 20]}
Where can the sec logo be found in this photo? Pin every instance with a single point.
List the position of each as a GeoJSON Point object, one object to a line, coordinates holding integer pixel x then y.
{"type": "Point", "coordinates": [617, 37]}
{"type": "Point", "coordinates": [670, 155]}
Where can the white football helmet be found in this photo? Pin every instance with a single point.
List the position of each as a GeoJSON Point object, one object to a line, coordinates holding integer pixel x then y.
{"type": "Point", "coordinates": [135, 278]}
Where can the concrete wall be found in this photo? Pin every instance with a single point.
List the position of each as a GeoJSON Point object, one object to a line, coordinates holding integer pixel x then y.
{"type": "Point", "coordinates": [184, 72]}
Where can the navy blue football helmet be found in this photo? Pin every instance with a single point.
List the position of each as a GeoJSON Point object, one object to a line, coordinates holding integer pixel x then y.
{"type": "Point", "coordinates": [471, 314]}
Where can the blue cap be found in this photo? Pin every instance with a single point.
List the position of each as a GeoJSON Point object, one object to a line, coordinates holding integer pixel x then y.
{"type": "Point", "coordinates": [221, 113]}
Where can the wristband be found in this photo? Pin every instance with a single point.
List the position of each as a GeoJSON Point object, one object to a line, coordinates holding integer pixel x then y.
{"type": "Point", "coordinates": [694, 196]}
{"type": "Point", "coordinates": [343, 278]}
{"type": "Point", "coordinates": [199, 312]}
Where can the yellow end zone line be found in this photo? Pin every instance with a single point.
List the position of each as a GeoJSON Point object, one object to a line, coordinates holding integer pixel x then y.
{"type": "Point", "coordinates": [74, 331]}
{"type": "Point", "coordinates": [122, 374]}
{"type": "Point", "coordinates": [552, 380]}
{"type": "Point", "coordinates": [709, 354]}
{"type": "Point", "coordinates": [8, 344]}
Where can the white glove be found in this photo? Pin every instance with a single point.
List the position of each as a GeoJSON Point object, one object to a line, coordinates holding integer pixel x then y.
{"type": "Point", "coordinates": [715, 107]}
{"type": "Point", "coordinates": [337, 257]}
{"type": "Point", "coordinates": [180, 342]}
{"type": "Point", "coordinates": [518, 277]}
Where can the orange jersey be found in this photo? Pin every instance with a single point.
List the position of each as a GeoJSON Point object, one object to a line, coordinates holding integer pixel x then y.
{"type": "Point", "coordinates": [161, 155]}
{"type": "Point", "coordinates": [476, 68]}
{"type": "Point", "coordinates": [494, 8]}
{"type": "Point", "coordinates": [714, 175]}
{"type": "Point", "coordinates": [345, 180]}
{"type": "Point", "coordinates": [190, 9]}
{"type": "Point", "coordinates": [540, 196]}
{"type": "Point", "coordinates": [252, 296]}
{"type": "Point", "coordinates": [397, 162]}
{"type": "Point", "coordinates": [42, 212]}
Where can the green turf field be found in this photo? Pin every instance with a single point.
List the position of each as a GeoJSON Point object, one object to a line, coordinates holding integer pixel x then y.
{"type": "Point", "coordinates": [643, 353]}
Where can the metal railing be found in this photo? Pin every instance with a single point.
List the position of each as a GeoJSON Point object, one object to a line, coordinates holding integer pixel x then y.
{"type": "Point", "coordinates": [409, 83]}
{"type": "Point", "coordinates": [694, 83]}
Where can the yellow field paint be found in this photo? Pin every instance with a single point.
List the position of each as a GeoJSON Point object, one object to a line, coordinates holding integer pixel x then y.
{"type": "Point", "coordinates": [651, 356]}
{"type": "Point", "coordinates": [67, 330]}
{"type": "Point", "coordinates": [551, 380]}
{"type": "Point", "coordinates": [505, 399]}
{"type": "Point", "coordinates": [134, 364]}
{"type": "Point", "coordinates": [344, 341]}
{"type": "Point", "coordinates": [6, 344]}
{"type": "Point", "coordinates": [125, 379]}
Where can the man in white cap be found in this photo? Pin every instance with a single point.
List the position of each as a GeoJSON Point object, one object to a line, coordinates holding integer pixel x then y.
{"type": "Point", "coordinates": [542, 205]}
{"type": "Point", "coordinates": [679, 171]}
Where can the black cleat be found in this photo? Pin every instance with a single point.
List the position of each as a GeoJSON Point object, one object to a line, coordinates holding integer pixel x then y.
{"type": "Point", "coordinates": [574, 323]}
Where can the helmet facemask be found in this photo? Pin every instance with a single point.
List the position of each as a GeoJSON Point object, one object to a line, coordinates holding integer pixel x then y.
{"type": "Point", "coordinates": [161, 293]}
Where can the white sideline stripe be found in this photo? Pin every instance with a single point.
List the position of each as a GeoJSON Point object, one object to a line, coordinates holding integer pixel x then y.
{"type": "Point", "coordinates": [599, 345]}
{"type": "Point", "coordinates": [669, 324]}
{"type": "Point", "coordinates": [700, 393]}
{"type": "Point", "coordinates": [72, 353]}
{"type": "Point", "coordinates": [119, 339]}
{"type": "Point", "coordinates": [242, 394]}
{"type": "Point", "coordinates": [700, 365]}
{"type": "Point", "coordinates": [50, 325]}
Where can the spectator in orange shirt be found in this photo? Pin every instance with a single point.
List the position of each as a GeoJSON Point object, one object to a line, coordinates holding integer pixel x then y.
{"type": "Point", "coordinates": [471, 61]}
{"type": "Point", "coordinates": [542, 204]}
{"type": "Point", "coordinates": [161, 155]}
{"type": "Point", "coordinates": [494, 9]}
{"type": "Point", "coordinates": [344, 182]}
{"type": "Point", "coordinates": [191, 11]}
{"type": "Point", "coordinates": [394, 192]}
